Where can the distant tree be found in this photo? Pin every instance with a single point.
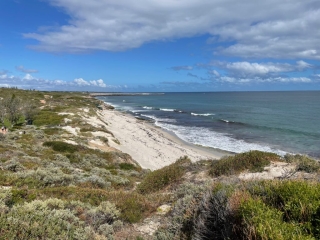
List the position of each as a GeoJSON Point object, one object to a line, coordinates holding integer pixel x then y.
{"type": "Point", "coordinates": [29, 111]}
{"type": "Point", "coordinates": [12, 107]}
{"type": "Point", "coordinates": [2, 111]}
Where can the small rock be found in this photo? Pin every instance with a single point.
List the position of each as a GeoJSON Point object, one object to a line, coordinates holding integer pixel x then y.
{"type": "Point", "coordinates": [164, 209]}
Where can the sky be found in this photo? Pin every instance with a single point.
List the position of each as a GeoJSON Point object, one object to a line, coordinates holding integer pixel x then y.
{"type": "Point", "coordinates": [160, 45]}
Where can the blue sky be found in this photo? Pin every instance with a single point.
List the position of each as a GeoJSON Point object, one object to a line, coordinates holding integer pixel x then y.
{"type": "Point", "coordinates": [153, 45]}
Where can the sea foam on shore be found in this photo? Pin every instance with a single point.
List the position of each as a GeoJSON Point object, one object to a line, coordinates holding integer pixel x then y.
{"type": "Point", "coordinates": [150, 146]}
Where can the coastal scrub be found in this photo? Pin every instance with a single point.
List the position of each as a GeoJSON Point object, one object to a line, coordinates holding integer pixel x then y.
{"type": "Point", "coordinates": [253, 161]}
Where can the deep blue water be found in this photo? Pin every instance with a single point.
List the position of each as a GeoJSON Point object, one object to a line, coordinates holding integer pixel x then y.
{"type": "Point", "coordinates": [235, 121]}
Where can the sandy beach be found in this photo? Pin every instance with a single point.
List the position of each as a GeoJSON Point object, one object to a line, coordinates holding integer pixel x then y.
{"type": "Point", "coordinates": [149, 145]}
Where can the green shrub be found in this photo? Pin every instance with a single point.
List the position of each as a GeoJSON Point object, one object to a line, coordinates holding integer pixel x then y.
{"type": "Point", "coordinates": [104, 139]}
{"type": "Point", "coordinates": [89, 128]}
{"type": "Point", "coordinates": [303, 162]}
{"type": "Point", "coordinates": [36, 220]}
{"type": "Point", "coordinates": [19, 196]}
{"type": "Point", "coordinates": [54, 218]}
{"type": "Point", "coordinates": [163, 177]}
{"type": "Point", "coordinates": [52, 131]}
{"type": "Point", "coordinates": [299, 200]}
{"type": "Point", "coordinates": [43, 177]}
{"type": "Point", "coordinates": [132, 206]}
{"type": "Point", "coordinates": [73, 157]}
{"type": "Point", "coordinates": [263, 222]}
{"type": "Point", "coordinates": [47, 117]}
{"type": "Point", "coordinates": [61, 146]}
{"type": "Point", "coordinates": [13, 165]}
{"type": "Point", "coordinates": [252, 161]}
{"type": "Point", "coordinates": [246, 210]}
{"type": "Point", "coordinates": [127, 166]}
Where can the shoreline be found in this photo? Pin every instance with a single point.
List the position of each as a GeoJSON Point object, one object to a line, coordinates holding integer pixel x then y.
{"type": "Point", "coordinates": [151, 146]}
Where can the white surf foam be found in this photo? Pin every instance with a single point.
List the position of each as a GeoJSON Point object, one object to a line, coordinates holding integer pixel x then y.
{"type": "Point", "coordinates": [167, 109]}
{"type": "Point", "coordinates": [202, 114]}
{"type": "Point", "coordinates": [159, 121]}
{"type": "Point", "coordinates": [207, 138]}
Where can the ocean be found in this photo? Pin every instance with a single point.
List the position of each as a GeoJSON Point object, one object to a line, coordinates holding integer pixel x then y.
{"type": "Point", "coordinates": [280, 122]}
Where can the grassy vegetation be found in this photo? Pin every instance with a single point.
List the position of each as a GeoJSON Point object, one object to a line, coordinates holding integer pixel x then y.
{"type": "Point", "coordinates": [159, 179]}
{"type": "Point", "coordinates": [47, 117]}
{"type": "Point", "coordinates": [252, 210]}
{"type": "Point", "coordinates": [253, 161]}
{"type": "Point", "coordinates": [303, 163]}
{"type": "Point", "coordinates": [61, 146]}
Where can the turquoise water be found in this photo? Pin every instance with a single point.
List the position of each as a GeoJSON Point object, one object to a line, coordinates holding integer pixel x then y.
{"type": "Point", "coordinates": [281, 122]}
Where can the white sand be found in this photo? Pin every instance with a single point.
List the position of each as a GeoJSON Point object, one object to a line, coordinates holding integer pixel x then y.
{"type": "Point", "coordinates": [275, 170]}
{"type": "Point", "coordinates": [72, 130]}
{"type": "Point", "coordinates": [150, 146]}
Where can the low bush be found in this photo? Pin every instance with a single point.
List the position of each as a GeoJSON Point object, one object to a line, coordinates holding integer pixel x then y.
{"type": "Point", "coordinates": [47, 117]}
{"type": "Point", "coordinates": [246, 210]}
{"type": "Point", "coordinates": [52, 131]}
{"type": "Point", "coordinates": [13, 165]}
{"type": "Point", "coordinates": [61, 146]}
{"type": "Point", "coordinates": [180, 219]}
{"type": "Point", "coordinates": [132, 206]}
{"type": "Point", "coordinates": [2, 137]}
{"type": "Point", "coordinates": [44, 177]}
{"type": "Point", "coordinates": [54, 218]}
{"type": "Point", "coordinates": [159, 179]}
{"type": "Point", "coordinates": [18, 196]}
{"type": "Point", "coordinates": [252, 161]}
{"type": "Point", "coordinates": [127, 166]}
{"type": "Point", "coordinates": [298, 200]}
{"type": "Point", "coordinates": [263, 222]}
{"type": "Point", "coordinates": [303, 163]}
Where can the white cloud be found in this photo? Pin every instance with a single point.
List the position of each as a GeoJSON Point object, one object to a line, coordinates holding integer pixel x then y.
{"type": "Point", "coordinates": [28, 77]}
{"type": "Point", "coordinates": [30, 82]}
{"type": "Point", "coordinates": [215, 73]}
{"type": "Point", "coordinates": [301, 65]}
{"type": "Point", "coordinates": [99, 83]}
{"type": "Point", "coordinates": [271, 28]}
{"type": "Point", "coordinates": [247, 69]}
{"type": "Point", "coordinates": [277, 37]}
{"type": "Point", "coordinates": [81, 82]}
{"type": "Point", "coordinates": [240, 80]}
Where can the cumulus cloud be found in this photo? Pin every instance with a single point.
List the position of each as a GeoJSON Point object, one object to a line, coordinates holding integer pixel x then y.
{"type": "Point", "coordinates": [247, 69]}
{"type": "Point", "coordinates": [99, 83]}
{"type": "Point", "coordinates": [240, 80]}
{"type": "Point", "coordinates": [23, 69]}
{"type": "Point", "coordinates": [245, 72]}
{"type": "Point", "coordinates": [28, 77]}
{"type": "Point", "coordinates": [30, 82]}
{"type": "Point", "coordinates": [81, 82]}
{"type": "Point", "coordinates": [275, 29]}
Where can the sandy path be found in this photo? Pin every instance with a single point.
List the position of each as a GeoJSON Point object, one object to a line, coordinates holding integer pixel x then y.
{"type": "Point", "coordinates": [151, 147]}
